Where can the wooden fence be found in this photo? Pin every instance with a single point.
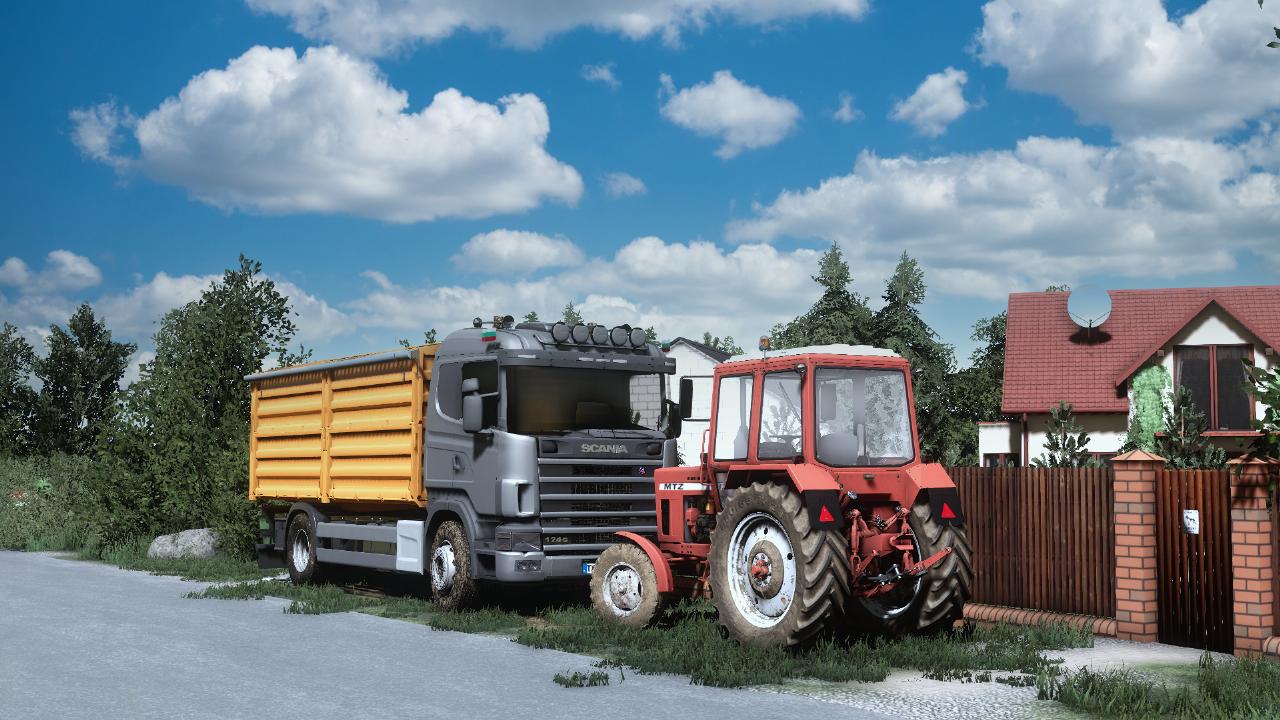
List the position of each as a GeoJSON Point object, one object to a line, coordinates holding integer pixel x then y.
{"type": "Point", "coordinates": [1194, 569]}
{"type": "Point", "coordinates": [1042, 537]}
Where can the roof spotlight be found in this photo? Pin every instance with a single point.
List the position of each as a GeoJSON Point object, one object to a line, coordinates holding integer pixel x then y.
{"type": "Point", "coordinates": [638, 338]}
{"type": "Point", "coordinates": [618, 335]}
{"type": "Point", "coordinates": [599, 334]}
{"type": "Point", "coordinates": [560, 332]}
{"type": "Point", "coordinates": [581, 333]}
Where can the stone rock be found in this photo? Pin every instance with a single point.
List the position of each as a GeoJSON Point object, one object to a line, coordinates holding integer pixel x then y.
{"type": "Point", "coordinates": [200, 543]}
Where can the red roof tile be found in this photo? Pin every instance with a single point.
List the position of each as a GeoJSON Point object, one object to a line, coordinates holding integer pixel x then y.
{"type": "Point", "coordinates": [1044, 365]}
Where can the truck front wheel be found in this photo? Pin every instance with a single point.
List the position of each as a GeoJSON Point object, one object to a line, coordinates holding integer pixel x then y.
{"type": "Point", "coordinates": [452, 582]}
{"type": "Point", "coordinates": [300, 550]}
{"type": "Point", "coordinates": [776, 579]}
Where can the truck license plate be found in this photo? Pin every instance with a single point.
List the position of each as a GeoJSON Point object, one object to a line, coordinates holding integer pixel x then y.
{"type": "Point", "coordinates": [587, 567]}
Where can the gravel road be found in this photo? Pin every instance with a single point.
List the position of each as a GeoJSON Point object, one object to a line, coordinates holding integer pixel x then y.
{"type": "Point", "coordinates": [86, 640]}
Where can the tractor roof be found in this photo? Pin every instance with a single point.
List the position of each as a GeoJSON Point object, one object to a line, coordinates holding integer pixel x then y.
{"type": "Point", "coordinates": [857, 350]}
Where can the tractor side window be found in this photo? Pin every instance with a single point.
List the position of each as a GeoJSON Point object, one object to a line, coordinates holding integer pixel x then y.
{"type": "Point", "coordinates": [733, 418]}
{"type": "Point", "coordinates": [780, 417]}
{"type": "Point", "coordinates": [863, 417]}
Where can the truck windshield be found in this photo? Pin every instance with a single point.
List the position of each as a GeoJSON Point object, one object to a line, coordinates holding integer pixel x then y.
{"type": "Point", "coordinates": [863, 417]}
{"type": "Point", "coordinates": [549, 400]}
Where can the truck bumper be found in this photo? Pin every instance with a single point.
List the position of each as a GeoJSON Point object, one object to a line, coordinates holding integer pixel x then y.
{"type": "Point", "coordinates": [536, 566]}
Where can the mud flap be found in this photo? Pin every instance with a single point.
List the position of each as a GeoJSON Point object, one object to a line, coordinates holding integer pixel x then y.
{"type": "Point", "coordinates": [944, 505]}
{"type": "Point", "coordinates": [824, 508]}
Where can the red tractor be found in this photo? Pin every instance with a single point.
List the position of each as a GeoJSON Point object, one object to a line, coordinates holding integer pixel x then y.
{"type": "Point", "coordinates": [811, 507]}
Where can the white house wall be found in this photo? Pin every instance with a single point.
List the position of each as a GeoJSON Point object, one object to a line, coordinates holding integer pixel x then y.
{"type": "Point", "coordinates": [691, 363]}
{"type": "Point", "coordinates": [999, 438]}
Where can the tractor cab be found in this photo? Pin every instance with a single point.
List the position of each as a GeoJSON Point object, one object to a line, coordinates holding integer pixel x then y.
{"type": "Point", "coordinates": [836, 406]}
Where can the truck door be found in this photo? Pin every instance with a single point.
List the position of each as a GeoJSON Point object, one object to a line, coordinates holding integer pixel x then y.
{"type": "Point", "coordinates": [452, 452]}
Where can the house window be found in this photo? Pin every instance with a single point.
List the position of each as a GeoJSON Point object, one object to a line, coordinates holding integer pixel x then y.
{"type": "Point", "coordinates": [1215, 376]}
{"type": "Point", "coordinates": [1000, 460]}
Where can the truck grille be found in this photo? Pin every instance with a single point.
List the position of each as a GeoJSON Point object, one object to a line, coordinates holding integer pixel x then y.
{"type": "Point", "coordinates": [585, 502]}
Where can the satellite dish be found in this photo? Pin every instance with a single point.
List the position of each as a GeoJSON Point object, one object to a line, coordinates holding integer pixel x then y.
{"type": "Point", "coordinates": [1089, 306]}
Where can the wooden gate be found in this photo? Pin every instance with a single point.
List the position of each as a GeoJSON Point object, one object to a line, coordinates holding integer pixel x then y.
{"type": "Point", "coordinates": [1194, 594]}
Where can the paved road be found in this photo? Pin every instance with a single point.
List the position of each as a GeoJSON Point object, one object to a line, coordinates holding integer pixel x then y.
{"type": "Point", "coordinates": [84, 640]}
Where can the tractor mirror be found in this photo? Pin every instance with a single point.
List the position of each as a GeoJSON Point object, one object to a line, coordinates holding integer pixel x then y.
{"type": "Point", "coordinates": [675, 423]}
{"type": "Point", "coordinates": [686, 398]}
{"type": "Point", "coordinates": [470, 385]}
{"type": "Point", "coordinates": [472, 411]}
{"type": "Point", "coordinates": [827, 402]}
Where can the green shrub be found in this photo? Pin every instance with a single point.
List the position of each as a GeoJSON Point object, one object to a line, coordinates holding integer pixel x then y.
{"type": "Point", "coordinates": [42, 503]}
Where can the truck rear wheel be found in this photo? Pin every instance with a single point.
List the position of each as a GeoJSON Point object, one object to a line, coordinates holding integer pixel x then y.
{"type": "Point", "coordinates": [931, 603]}
{"type": "Point", "coordinates": [452, 582]}
{"type": "Point", "coordinates": [624, 586]}
{"type": "Point", "coordinates": [776, 579]}
{"type": "Point", "coordinates": [300, 550]}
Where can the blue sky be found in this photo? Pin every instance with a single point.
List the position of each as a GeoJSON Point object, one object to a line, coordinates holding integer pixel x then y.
{"type": "Point", "coordinates": [1006, 145]}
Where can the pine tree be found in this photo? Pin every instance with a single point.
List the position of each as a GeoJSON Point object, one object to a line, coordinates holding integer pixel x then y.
{"type": "Point", "coordinates": [839, 316]}
{"type": "Point", "coordinates": [1183, 444]}
{"type": "Point", "coordinates": [727, 345]}
{"type": "Point", "coordinates": [571, 314]}
{"type": "Point", "coordinates": [531, 316]}
{"type": "Point", "coordinates": [1066, 443]}
{"type": "Point", "coordinates": [978, 389]}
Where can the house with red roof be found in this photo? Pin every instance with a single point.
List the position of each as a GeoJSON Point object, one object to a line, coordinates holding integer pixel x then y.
{"type": "Point", "coordinates": [1198, 338]}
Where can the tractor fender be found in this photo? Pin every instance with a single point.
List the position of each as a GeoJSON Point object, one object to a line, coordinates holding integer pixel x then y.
{"type": "Point", "coordinates": [931, 483]}
{"type": "Point", "coordinates": [660, 567]}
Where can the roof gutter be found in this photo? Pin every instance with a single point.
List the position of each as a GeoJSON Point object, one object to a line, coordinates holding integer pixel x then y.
{"type": "Point", "coordinates": [406, 354]}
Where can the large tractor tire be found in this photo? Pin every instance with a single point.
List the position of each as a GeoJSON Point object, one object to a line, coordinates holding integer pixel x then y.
{"type": "Point", "coordinates": [624, 586]}
{"type": "Point", "coordinates": [775, 578]}
{"type": "Point", "coordinates": [931, 603]}
{"type": "Point", "coordinates": [453, 584]}
{"type": "Point", "coordinates": [300, 551]}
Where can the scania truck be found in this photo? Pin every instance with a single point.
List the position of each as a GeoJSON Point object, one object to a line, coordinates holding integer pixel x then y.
{"type": "Point", "coordinates": [509, 453]}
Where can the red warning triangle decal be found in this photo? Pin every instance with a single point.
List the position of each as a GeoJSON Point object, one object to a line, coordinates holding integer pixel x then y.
{"type": "Point", "coordinates": [825, 516]}
{"type": "Point", "coordinates": [947, 512]}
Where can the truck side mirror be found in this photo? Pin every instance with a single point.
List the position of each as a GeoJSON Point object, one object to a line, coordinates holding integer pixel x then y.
{"type": "Point", "coordinates": [472, 412]}
{"type": "Point", "coordinates": [827, 402]}
{"type": "Point", "coordinates": [470, 385]}
{"type": "Point", "coordinates": [686, 398]}
{"type": "Point", "coordinates": [675, 423]}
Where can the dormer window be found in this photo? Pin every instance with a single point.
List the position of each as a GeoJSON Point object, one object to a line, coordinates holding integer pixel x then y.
{"type": "Point", "coordinates": [1215, 375]}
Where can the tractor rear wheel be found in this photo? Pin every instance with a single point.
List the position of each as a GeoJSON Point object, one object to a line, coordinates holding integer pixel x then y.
{"type": "Point", "coordinates": [931, 603]}
{"type": "Point", "coordinates": [624, 586]}
{"type": "Point", "coordinates": [775, 578]}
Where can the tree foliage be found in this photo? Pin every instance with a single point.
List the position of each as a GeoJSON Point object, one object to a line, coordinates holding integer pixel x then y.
{"type": "Point", "coordinates": [1183, 444]}
{"type": "Point", "coordinates": [725, 345]}
{"type": "Point", "coordinates": [1066, 443]}
{"type": "Point", "coordinates": [1147, 393]}
{"type": "Point", "coordinates": [17, 399]}
{"type": "Point", "coordinates": [1264, 386]}
{"type": "Point", "coordinates": [839, 316]}
{"type": "Point", "coordinates": [571, 315]}
{"type": "Point", "coordinates": [977, 391]}
{"type": "Point", "coordinates": [80, 378]}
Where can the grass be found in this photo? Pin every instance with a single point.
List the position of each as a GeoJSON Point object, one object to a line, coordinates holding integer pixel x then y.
{"type": "Point", "coordinates": [1233, 688]}
{"type": "Point", "coordinates": [577, 679]}
{"type": "Point", "coordinates": [133, 556]}
{"type": "Point", "coordinates": [303, 600]}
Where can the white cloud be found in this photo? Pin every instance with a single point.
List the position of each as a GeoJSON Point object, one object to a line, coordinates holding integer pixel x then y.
{"type": "Point", "coordinates": [325, 132]}
{"type": "Point", "coordinates": [934, 105]}
{"type": "Point", "coordinates": [63, 270]}
{"type": "Point", "coordinates": [97, 130]}
{"type": "Point", "coordinates": [516, 252]}
{"type": "Point", "coordinates": [1049, 210]}
{"type": "Point", "coordinates": [620, 184]}
{"type": "Point", "coordinates": [743, 116]}
{"type": "Point", "coordinates": [602, 74]}
{"type": "Point", "coordinates": [136, 312]}
{"type": "Point", "coordinates": [1128, 65]}
{"type": "Point", "coordinates": [377, 27]}
{"type": "Point", "coordinates": [846, 113]}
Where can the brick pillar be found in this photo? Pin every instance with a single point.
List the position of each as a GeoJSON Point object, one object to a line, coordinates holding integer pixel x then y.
{"type": "Point", "coordinates": [1135, 528]}
{"type": "Point", "coordinates": [1252, 549]}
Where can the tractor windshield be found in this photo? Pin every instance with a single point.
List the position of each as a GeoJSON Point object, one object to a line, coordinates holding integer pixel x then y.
{"type": "Point", "coordinates": [863, 418]}
{"type": "Point", "coordinates": [551, 400]}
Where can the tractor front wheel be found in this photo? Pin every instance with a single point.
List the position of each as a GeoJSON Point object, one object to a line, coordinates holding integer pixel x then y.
{"type": "Point", "coordinates": [624, 586]}
{"type": "Point", "coordinates": [776, 579]}
{"type": "Point", "coordinates": [927, 604]}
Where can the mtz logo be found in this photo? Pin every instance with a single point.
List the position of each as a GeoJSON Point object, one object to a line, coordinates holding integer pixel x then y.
{"type": "Point", "coordinates": [598, 448]}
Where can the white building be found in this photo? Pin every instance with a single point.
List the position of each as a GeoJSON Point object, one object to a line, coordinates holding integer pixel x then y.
{"type": "Point", "coordinates": [696, 361]}
{"type": "Point", "coordinates": [1153, 341]}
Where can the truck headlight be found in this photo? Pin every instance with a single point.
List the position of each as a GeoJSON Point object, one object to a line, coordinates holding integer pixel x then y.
{"type": "Point", "coordinates": [519, 541]}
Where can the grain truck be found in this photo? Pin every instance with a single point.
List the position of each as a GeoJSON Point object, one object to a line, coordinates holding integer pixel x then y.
{"type": "Point", "coordinates": [508, 452]}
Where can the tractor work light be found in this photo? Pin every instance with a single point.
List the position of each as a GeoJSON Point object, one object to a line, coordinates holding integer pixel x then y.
{"type": "Point", "coordinates": [599, 334]}
{"type": "Point", "coordinates": [638, 338]}
{"type": "Point", "coordinates": [581, 334]}
{"type": "Point", "coordinates": [619, 335]}
{"type": "Point", "coordinates": [561, 333]}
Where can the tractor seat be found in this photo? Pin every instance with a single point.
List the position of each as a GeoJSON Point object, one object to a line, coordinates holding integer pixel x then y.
{"type": "Point", "coordinates": [840, 449]}
{"type": "Point", "coordinates": [775, 450]}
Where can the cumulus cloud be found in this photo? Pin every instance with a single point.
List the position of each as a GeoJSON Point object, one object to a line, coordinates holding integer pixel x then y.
{"type": "Point", "coordinates": [1048, 210]}
{"type": "Point", "coordinates": [97, 129]}
{"type": "Point", "coordinates": [934, 105]}
{"type": "Point", "coordinates": [277, 133]}
{"type": "Point", "coordinates": [601, 74]}
{"type": "Point", "coordinates": [620, 184]}
{"type": "Point", "coordinates": [515, 252]}
{"type": "Point", "coordinates": [1128, 65]}
{"type": "Point", "coordinates": [846, 113]}
{"type": "Point", "coordinates": [377, 27]}
{"type": "Point", "coordinates": [742, 116]}
{"type": "Point", "coordinates": [63, 270]}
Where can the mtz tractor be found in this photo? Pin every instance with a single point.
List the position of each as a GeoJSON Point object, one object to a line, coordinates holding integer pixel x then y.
{"type": "Point", "coordinates": [810, 510]}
